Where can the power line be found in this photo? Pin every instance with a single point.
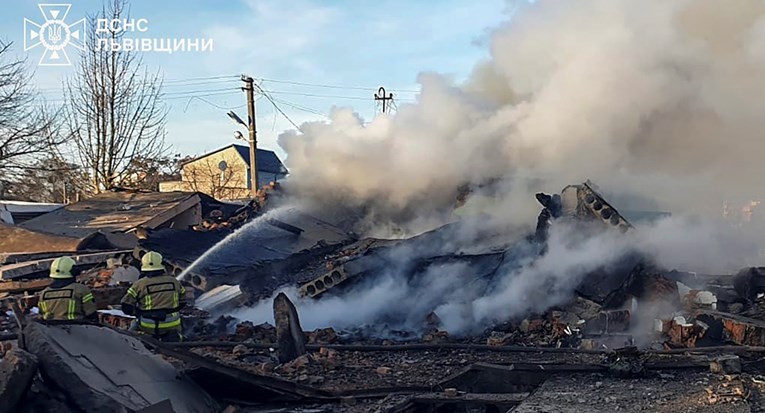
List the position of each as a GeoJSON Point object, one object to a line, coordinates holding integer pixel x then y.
{"type": "Point", "coordinates": [381, 96]}
{"type": "Point", "coordinates": [174, 84]}
{"type": "Point", "coordinates": [215, 105]}
{"type": "Point", "coordinates": [283, 92]}
{"type": "Point", "coordinates": [276, 106]}
{"type": "Point", "coordinates": [228, 78]}
{"type": "Point", "coordinates": [292, 82]}
{"type": "Point", "coordinates": [201, 91]}
{"type": "Point", "coordinates": [167, 98]}
{"type": "Point", "coordinates": [300, 107]}
{"type": "Point", "coordinates": [201, 95]}
{"type": "Point", "coordinates": [203, 78]}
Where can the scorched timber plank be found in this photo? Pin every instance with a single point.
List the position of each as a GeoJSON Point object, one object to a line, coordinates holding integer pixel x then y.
{"type": "Point", "coordinates": [18, 270]}
{"type": "Point", "coordinates": [13, 287]}
{"type": "Point", "coordinates": [471, 398]}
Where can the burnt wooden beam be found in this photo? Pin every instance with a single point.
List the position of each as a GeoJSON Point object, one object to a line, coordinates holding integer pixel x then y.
{"type": "Point", "coordinates": [476, 347]}
{"type": "Point", "coordinates": [398, 347]}
{"type": "Point", "coordinates": [289, 334]}
{"type": "Point", "coordinates": [470, 398]}
{"type": "Point", "coordinates": [13, 287]}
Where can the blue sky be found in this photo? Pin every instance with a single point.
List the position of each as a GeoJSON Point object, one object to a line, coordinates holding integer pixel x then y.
{"type": "Point", "coordinates": [346, 43]}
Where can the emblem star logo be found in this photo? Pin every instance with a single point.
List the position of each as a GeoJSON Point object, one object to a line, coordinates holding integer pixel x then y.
{"type": "Point", "coordinates": [54, 34]}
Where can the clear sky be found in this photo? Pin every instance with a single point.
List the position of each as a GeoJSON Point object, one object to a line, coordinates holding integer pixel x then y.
{"type": "Point", "coordinates": [355, 45]}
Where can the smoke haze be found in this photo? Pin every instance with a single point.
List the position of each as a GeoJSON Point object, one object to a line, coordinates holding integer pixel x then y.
{"type": "Point", "coordinates": [395, 299]}
{"type": "Point", "coordinates": [659, 100]}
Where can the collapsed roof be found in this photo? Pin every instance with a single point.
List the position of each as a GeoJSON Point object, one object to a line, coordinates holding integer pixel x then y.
{"type": "Point", "coordinates": [116, 212]}
{"type": "Point", "coordinates": [16, 239]}
{"type": "Point", "coordinates": [259, 250]}
{"type": "Point", "coordinates": [108, 222]}
{"type": "Point", "coordinates": [120, 212]}
{"type": "Point", "coordinates": [289, 247]}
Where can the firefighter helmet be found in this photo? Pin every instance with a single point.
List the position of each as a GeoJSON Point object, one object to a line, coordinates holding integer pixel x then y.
{"type": "Point", "coordinates": [152, 261]}
{"type": "Point", "coordinates": [62, 267]}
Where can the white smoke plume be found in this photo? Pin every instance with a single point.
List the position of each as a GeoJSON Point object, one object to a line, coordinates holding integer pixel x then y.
{"type": "Point", "coordinates": [661, 99]}
{"type": "Point", "coordinates": [466, 304]}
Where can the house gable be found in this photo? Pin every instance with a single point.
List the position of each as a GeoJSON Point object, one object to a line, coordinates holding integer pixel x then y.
{"type": "Point", "coordinates": [203, 173]}
{"type": "Point", "coordinates": [267, 160]}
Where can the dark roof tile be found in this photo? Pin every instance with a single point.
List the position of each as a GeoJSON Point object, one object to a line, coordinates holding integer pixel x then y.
{"type": "Point", "coordinates": [267, 160]}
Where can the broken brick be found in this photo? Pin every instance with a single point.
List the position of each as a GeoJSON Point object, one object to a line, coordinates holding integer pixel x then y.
{"type": "Point", "coordinates": [738, 329]}
{"type": "Point", "coordinates": [322, 336]}
{"type": "Point", "coordinates": [240, 350]}
{"type": "Point", "coordinates": [726, 364]}
{"type": "Point", "coordinates": [497, 339]}
{"type": "Point", "coordinates": [685, 334]}
{"type": "Point", "coordinates": [244, 330]}
{"type": "Point", "coordinates": [328, 352]}
{"type": "Point", "coordinates": [435, 337]}
{"type": "Point", "coordinates": [611, 321]}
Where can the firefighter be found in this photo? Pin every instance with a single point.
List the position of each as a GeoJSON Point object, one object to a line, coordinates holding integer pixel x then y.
{"type": "Point", "coordinates": [65, 299]}
{"type": "Point", "coordinates": [155, 300]}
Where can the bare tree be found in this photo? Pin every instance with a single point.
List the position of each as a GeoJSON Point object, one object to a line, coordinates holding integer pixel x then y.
{"type": "Point", "coordinates": [51, 179]}
{"type": "Point", "coordinates": [149, 172]}
{"type": "Point", "coordinates": [114, 111]}
{"type": "Point", "coordinates": [27, 128]}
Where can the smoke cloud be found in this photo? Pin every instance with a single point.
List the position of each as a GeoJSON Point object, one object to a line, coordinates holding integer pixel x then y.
{"type": "Point", "coordinates": [659, 99]}
{"type": "Point", "coordinates": [397, 298]}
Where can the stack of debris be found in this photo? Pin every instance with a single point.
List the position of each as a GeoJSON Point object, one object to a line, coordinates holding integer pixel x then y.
{"type": "Point", "coordinates": [632, 335]}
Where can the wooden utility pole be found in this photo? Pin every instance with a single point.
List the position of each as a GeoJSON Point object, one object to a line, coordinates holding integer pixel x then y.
{"type": "Point", "coordinates": [380, 95]}
{"type": "Point", "coordinates": [249, 88]}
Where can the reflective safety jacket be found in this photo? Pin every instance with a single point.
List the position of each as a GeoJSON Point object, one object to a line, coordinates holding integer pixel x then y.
{"type": "Point", "coordinates": [157, 301]}
{"type": "Point", "coordinates": [71, 301]}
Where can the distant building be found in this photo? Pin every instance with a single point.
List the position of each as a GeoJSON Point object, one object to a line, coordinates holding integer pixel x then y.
{"type": "Point", "coordinates": [225, 173]}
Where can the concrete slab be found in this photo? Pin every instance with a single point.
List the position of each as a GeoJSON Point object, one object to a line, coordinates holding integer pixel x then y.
{"type": "Point", "coordinates": [102, 370]}
{"type": "Point", "coordinates": [17, 369]}
{"type": "Point", "coordinates": [221, 298]}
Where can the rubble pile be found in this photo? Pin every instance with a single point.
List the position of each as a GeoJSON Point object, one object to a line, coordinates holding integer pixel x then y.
{"type": "Point", "coordinates": [631, 336]}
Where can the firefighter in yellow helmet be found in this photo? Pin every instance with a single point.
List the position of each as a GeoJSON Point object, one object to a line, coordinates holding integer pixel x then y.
{"type": "Point", "coordinates": [65, 299]}
{"type": "Point", "coordinates": [156, 299]}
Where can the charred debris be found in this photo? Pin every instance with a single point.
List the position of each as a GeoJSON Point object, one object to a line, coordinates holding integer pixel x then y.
{"type": "Point", "coordinates": [629, 336]}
